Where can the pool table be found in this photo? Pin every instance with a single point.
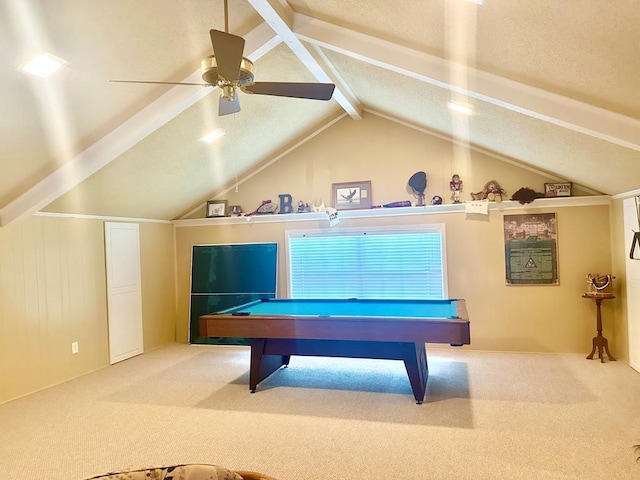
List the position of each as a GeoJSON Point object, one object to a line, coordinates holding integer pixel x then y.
{"type": "Point", "coordinates": [356, 328]}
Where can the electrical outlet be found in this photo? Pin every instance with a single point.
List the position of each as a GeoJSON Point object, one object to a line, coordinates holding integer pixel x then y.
{"type": "Point", "coordinates": [74, 347]}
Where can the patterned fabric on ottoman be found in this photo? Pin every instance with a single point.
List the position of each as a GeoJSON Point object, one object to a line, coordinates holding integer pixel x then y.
{"type": "Point", "coordinates": [174, 472]}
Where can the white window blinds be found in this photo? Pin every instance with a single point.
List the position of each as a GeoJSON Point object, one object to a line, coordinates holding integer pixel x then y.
{"type": "Point", "coordinates": [367, 263]}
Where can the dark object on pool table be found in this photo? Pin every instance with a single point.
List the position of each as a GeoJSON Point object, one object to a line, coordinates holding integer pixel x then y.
{"type": "Point", "coordinates": [526, 195]}
{"type": "Point", "coordinates": [353, 328]}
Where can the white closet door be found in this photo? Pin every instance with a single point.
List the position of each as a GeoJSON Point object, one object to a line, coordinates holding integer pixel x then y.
{"type": "Point", "coordinates": [633, 283]}
{"type": "Point", "coordinates": [124, 293]}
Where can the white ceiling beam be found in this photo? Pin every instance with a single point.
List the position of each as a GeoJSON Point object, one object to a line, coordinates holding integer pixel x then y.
{"type": "Point", "coordinates": [280, 17]}
{"type": "Point", "coordinates": [258, 41]}
{"type": "Point", "coordinates": [534, 102]}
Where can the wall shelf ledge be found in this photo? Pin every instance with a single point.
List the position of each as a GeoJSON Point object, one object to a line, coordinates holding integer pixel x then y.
{"type": "Point", "coordinates": [541, 203]}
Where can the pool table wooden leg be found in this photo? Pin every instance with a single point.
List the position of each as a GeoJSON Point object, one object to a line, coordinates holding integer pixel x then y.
{"type": "Point", "coordinates": [415, 361]}
{"type": "Point", "coordinates": [263, 365]}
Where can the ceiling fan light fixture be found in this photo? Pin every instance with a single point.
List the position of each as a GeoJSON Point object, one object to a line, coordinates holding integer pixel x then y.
{"type": "Point", "coordinates": [213, 135]}
{"type": "Point", "coordinates": [209, 69]}
{"type": "Point", "coordinates": [43, 65]}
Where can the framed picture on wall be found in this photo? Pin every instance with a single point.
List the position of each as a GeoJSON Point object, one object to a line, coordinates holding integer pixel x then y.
{"type": "Point", "coordinates": [216, 208]}
{"type": "Point", "coordinates": [531, 250]}
{"type": "Point", "coordinates": [351, 195]}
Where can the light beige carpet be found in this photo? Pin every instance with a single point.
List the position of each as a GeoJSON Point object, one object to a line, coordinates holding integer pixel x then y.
{"type": "Point", "coordinates": [487, 416]}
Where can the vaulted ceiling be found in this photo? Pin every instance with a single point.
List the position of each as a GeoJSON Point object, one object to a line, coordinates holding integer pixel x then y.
{"type": "Point", "coordinates": [554, 87]}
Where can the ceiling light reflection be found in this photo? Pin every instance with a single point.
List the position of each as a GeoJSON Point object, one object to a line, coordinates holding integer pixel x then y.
{"type": "Point", "coordinates": [213, 135]}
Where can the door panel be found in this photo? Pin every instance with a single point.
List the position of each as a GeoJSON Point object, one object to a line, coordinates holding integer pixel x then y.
{"type": "Point", "coordinates": [124, 292]}
{"type": "Point", "coordinates": [633, 284]}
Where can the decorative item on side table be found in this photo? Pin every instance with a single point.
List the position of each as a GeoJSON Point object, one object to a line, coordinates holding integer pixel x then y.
{"type": "Point", "coordinates": [352, 195]}
{"type": "Point", "coordinates": [418, 184]}
{"type": "Point", "coordinates": [599, 284]}
{"type": "Point", "coordinates": [491, 191]}
{"type": "Point", "coordinates": [455, 185]}
{"type": "Point", "coordinates": [600, 288]}
{"type": "Point", "coordinates": [560, 189]}
{"type": "Point", "coordinates": [216, 208]}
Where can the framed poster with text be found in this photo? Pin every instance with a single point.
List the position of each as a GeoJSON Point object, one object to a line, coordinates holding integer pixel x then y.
{"type": "Point", "coordinates": [531, 249]}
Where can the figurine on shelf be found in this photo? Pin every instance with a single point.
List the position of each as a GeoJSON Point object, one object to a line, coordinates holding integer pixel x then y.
{"type": "Point", "coordinates": [455, 185]}
{"type": "Point", "coordinates": [526, 195]}
{"type": "Point", "coordinates": [303, 207]}
{"type": "Point", "coordinates": [235, 211]}
{"type": "Point", "coordinates": [266, 207]}
{"type": "Point", "coordinates": [436, 200]}
{"type": "Point", "coordinates": [491, 191]}
{"type": "Point", "coordinates": [317, 205]}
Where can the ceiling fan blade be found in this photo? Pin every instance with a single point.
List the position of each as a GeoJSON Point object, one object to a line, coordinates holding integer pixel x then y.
{"type": "Point", "coordinates": [161, 83]}
{"type": "Point", "coordinates": [228, 49]}
{"type": "Point", "coordinates": [313, 91]}
{"type": "Point", "coordinates": [225, 107]}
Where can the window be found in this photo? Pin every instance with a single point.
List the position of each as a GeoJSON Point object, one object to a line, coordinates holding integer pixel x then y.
{"type": "Point", "coordinates": [405, 262]}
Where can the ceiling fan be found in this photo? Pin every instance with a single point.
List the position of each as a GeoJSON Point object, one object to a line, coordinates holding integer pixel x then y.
{"type": "Point", "coordinates": [228, 70]}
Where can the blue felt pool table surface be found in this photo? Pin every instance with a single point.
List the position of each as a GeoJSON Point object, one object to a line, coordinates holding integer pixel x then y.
{"type": "Point", "coordinates": [422, 309]}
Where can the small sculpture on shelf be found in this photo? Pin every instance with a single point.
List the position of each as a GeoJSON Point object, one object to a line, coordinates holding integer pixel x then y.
{"type": "Point", "coordinates": [436, 200]}
{"type": "Point", "coordinates": [318, 205]}
{"type": "Point", "coordinates": [526, 195]}
{"type": "Point", "coordinates": [266, 207]}
{"type": "Point", "coordinates": [303, 207]}
{"type": "Point", "coordinates": [455, 185]}
{"type": "Point", "coordinates": [235, 211]}
{"type": "Point", "coordinates": [491, 191]}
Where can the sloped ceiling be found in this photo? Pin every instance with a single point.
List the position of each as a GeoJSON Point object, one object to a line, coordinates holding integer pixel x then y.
{"type": "Point", "coordinates": [553, 86]}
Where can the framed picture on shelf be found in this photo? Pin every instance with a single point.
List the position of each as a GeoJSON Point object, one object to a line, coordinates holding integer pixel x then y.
{"type": "Point", "coordinates": [216, 208]}
{"type": "Point", "coordinates": [562, 189]}
{"type": "Point", "coordinates": [351, 195]}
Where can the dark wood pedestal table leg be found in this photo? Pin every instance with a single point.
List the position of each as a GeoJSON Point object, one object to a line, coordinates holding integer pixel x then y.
{"type": "Point", "coordinates": [600, 342]}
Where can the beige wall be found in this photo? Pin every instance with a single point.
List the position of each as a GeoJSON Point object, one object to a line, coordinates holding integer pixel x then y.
{"type": "Point", "coordinates": [53, 293]}
{"type": "Point", "coordinates": [522, 318]}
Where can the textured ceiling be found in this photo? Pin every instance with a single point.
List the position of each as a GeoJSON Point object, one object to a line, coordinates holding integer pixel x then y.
{"type": "Point", "coordinates": [553, 85]}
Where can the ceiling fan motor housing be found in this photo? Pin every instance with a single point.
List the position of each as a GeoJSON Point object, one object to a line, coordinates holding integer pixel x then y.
{"type": "Point", "coordinates": [209, 69]}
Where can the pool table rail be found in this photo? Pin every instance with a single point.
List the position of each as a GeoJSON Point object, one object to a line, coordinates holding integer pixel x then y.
{"type": "Point", "coordinates": [389, 329]}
